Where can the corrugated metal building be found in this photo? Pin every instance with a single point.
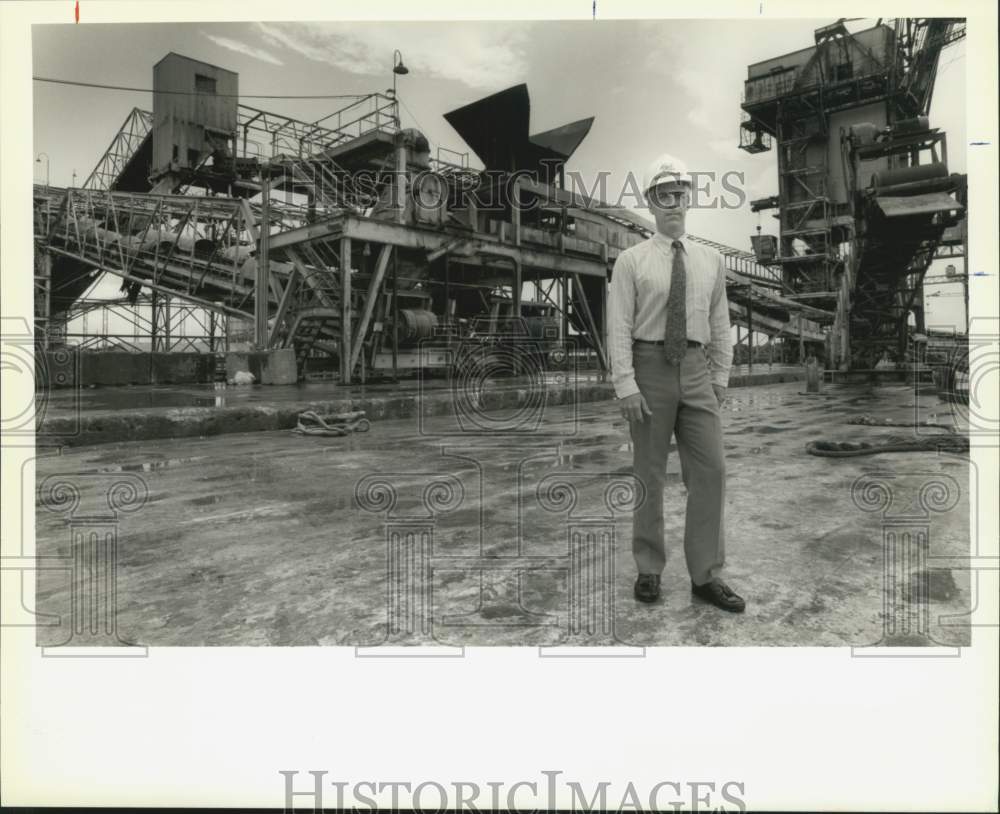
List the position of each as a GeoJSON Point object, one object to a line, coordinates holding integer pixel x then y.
{"type": "Point", "coordinates": [194, 112]}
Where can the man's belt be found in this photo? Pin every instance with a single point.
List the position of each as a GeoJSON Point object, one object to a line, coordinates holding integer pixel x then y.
{"type": "Point", "coordinates": [691, 343]}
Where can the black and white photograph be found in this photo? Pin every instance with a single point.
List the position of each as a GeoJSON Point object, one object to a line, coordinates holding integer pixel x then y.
{"type": "Point", "coordinates": [588, 340]}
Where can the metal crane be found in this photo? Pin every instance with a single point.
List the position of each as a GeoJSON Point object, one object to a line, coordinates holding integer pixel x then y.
{"type": "Point", "coordinates": [919, 42]}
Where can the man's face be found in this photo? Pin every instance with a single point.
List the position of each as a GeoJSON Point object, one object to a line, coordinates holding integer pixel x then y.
{"type": "Point", "coordinates": [668, 203]}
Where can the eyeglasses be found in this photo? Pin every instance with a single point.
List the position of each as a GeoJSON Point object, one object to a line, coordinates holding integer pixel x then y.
{"type": "Point", "coordinates": [667, 199]}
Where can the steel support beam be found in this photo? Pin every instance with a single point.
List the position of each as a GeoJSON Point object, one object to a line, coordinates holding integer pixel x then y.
{"type": "Point", "coordinates": [345, 310]}
{"type": "Point", "coordinates": [260, 295]}
{"type": "Point", "coordinates": [409, 237]}
{"type": "Point", "coordinates": [291, 287]}
{"type": "Point", "coordinates": [374, 286]}
{"type": "Point", "coordinates": [770, 325]}
{"type": "Point", "coordinates": [589, 318]}
{"type": "Point", "coordinates": [400, 179]}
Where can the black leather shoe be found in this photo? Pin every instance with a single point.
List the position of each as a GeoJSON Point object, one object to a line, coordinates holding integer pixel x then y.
{"type": "Point", "coordinates": [720, 595]}
{"type": "Point", "coordinates": [647, 587]}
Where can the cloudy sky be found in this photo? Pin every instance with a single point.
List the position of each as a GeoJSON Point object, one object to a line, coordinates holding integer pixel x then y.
{"type": "Point", "coordinates": [653, 86]}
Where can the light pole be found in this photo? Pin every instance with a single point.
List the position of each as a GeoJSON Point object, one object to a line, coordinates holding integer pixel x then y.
{"type": "Point", "coordinates": [74, 178]}
{"type": "Point", "coordinates": [38, 160]}
{"type": "Point", "coordinates": [398, 69]}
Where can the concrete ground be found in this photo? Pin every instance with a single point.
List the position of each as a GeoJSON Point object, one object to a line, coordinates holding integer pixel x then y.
{"type": "Point", "coordinates": [106, 401]}
{"type": "Point", "coordinates": [515, 533]}
{"type": "Point", "coordinates": [100, 415]}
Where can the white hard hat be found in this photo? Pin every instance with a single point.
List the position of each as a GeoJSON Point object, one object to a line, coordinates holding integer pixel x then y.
{"type": "Point", "coordinates": [663, 170]}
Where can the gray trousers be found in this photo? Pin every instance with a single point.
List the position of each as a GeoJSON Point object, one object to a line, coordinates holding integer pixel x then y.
{"type": "Point", "coordinates": [683, 404]}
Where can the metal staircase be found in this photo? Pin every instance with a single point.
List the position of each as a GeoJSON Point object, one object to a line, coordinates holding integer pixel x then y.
{"type": "Point", "coordinates": [317, 312]}
{"type": "Point", "coordinates": [328, 186]}
{"type": "Point", "coordinates": [198, 248]}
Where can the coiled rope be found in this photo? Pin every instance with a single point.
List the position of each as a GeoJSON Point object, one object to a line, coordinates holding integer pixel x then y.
{"type": "Point", "coordinates": [312, 423]}
{"type": "Point", "coordinates": [941, 442]}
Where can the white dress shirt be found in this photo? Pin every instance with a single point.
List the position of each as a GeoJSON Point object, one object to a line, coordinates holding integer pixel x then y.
{"type": "Point", "coordinates": [637, 306]}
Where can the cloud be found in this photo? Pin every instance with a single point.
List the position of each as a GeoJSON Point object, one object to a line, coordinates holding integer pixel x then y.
{"type": "Point", "coordinates": [708, 77]}
{"type": "Point", "coordinates": [715, 103]}
{"type": "Point", "coordinates": [243, 48]}
{"type": "Point", "coordinates": [765, 182]}
{"type": "Point", "coordinates": [727, 148]}
{"type": "Point", "coordinates": [479, 56]}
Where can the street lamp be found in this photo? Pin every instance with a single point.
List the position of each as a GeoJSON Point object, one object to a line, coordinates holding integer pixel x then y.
{"type": "Point", "coordinates": [398, 69]}
{"type": "Point", "coordinates": [38, 160]}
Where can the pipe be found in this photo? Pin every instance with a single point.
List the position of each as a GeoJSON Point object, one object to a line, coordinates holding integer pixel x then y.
{"type": "Point", "coordinates": [261, 282]}
{"type": "Point", "coordinates": [917, 188]}
{"type": "Point", "coordinates": [345, 310]}
{"type": "Point", "coordinates": [395, 315]}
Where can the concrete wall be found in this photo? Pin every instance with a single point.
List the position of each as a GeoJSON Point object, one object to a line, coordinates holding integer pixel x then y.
{"type": "Point", "coordinates": [268, 367]}
{"type": "Point", "coordinates": [109, 368]}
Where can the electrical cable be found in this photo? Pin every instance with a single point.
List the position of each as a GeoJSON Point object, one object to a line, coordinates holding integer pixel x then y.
{"type": "Point", "coordinates": [197, 93]}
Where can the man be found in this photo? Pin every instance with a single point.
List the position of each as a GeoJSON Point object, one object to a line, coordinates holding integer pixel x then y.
{"type": "Point", "coordinates": [670, 348]}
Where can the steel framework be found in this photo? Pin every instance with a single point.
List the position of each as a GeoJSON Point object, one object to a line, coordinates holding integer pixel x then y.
{"type": "Point", "coordinates": [322, 235]}
{"type": "Point", "coordinates": [847, 257]}
{"type": "Point", "coordinates": [127, 143]}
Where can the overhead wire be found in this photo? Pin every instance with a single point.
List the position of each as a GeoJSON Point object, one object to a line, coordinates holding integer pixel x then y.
{"type": "Point", "coordinates": [100, 86]}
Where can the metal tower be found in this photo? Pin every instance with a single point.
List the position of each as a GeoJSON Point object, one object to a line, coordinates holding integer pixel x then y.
{"type": "Point", "coordinates": [848, 118]}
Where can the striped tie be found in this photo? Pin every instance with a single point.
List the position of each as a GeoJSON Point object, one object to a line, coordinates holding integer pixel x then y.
{"type": "Point", "coordinates": [675, 340]}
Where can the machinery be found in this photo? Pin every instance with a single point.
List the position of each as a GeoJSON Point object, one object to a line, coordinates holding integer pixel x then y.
{"type": "Point", "coordinates": [349, 241]}
{"type": "Point", "coordinates": [865, 199]}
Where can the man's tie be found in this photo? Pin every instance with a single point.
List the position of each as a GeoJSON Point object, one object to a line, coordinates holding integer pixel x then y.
{"type": "Point", "coordinates": [675, 340]}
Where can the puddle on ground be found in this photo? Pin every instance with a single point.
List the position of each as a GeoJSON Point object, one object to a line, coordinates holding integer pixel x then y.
{"type": "Point", "coordinates": [593, 440]}
{"type": "Point", "coordinates": [596, 459]}
{"type": "Point", "coordinates": [746, 403]}
{"type": "Point", "coordinates": [580, 460]}
{"type": "Point", "coordinates": [207, 500]}
{"type": "Point", "coordinates": [151, 399]}
{"type": "Point", "coordinates": [762, 429]}
{"type": "Point", "coordinates": [144, 466]}
{"type": "Point", "coordinates": [937, 584]}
